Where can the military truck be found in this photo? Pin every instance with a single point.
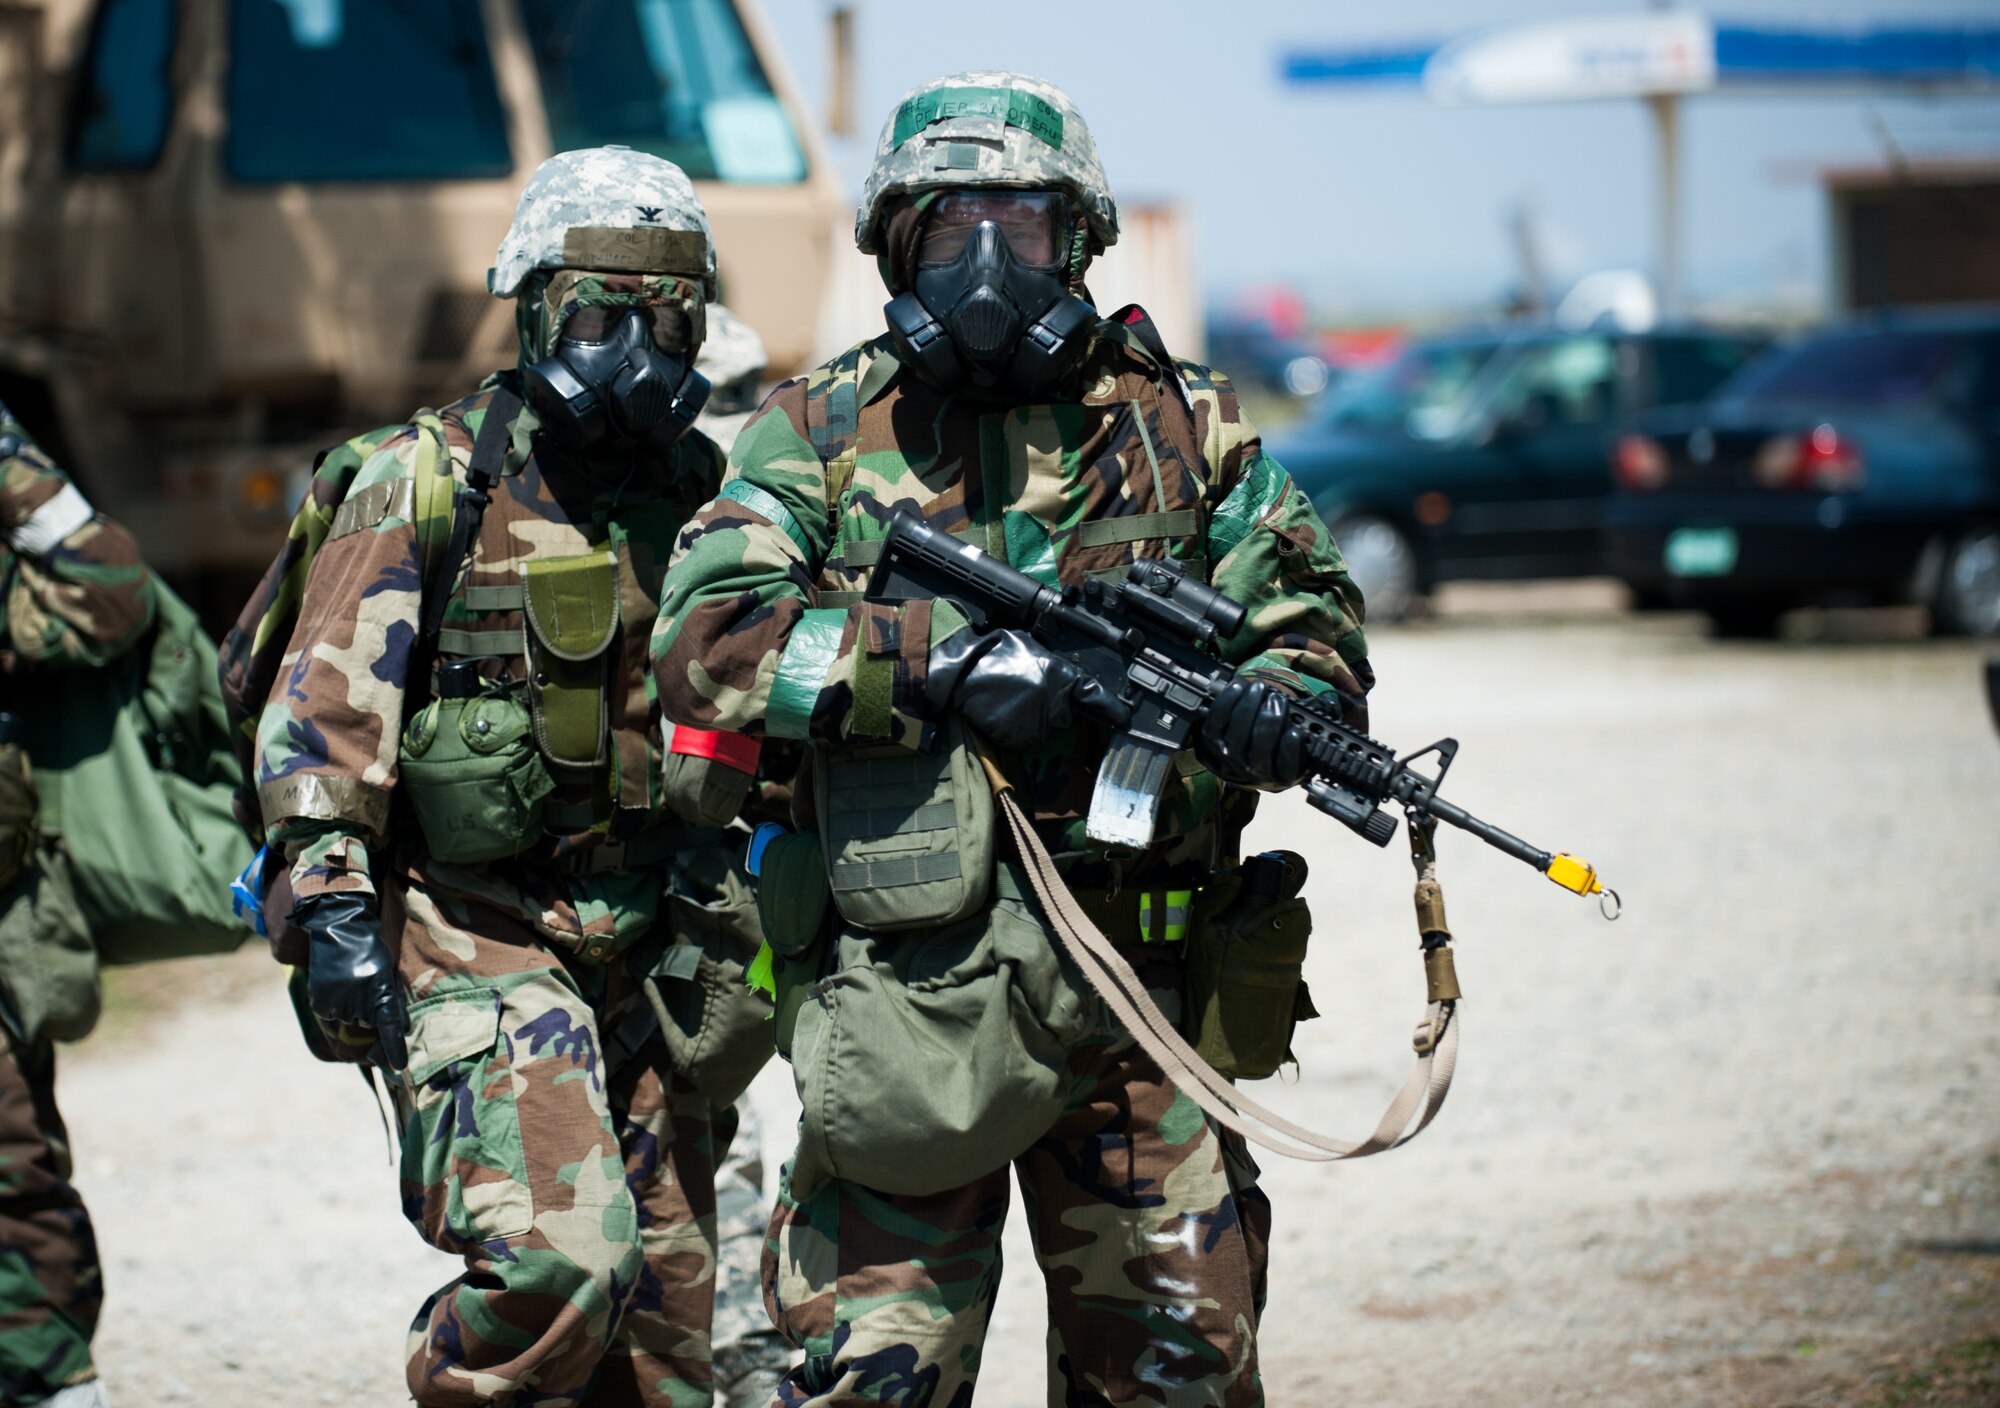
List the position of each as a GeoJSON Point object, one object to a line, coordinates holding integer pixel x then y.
{"type": "Point", "coordinates": [233, 232]}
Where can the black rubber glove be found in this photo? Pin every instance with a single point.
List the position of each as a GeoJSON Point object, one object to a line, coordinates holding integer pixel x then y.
{"type": "Point", "coordinates": [1244, 738]}
{"type": "Point", "coordinates": [1005, 684]}
{"type": "Point", "coordinates": [350, 978]}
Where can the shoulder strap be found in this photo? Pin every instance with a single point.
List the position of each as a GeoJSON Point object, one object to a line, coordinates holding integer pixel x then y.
{"type": "Point", "coordinates": [468, 508]}
{"type": "Point", "coordinates": [833, 414]}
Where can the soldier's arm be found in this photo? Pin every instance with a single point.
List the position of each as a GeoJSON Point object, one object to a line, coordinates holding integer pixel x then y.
{"type": "Point", "coordinates": [739, 645]}
{"type": "Point", "coordinates": [328, 735]}
{"type": "Point", "coordinates": [1271, 552]}
{"type": "Point", "coordinates": [79, 594]}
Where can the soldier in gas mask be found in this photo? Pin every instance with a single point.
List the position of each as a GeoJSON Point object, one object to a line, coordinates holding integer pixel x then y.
{"type": "Point", "coordinates": [938, 1040]}
{"type": "Point", "coordinates": [503, 870]}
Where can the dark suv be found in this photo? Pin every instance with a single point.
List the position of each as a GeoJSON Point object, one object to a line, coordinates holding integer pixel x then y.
{"type": "Point", "coordinates": [1483, 455]}
{"type": "Point", "coordinates": [1857, 465]}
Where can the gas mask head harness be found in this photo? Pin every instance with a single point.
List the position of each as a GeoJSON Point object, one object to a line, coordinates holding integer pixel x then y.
{"type": "Point", "coordinates": [612, 359]}
{"type": "Point", "coordinates": [988, 303]}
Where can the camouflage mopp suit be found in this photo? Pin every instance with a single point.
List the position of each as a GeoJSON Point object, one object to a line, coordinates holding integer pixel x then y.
{"type": "Point", "coordinates": [546, 1135]}
{"type": "Point", "coordinates": [75, 596]}
{"type": "Point", "coordinates": [1146, 1218]}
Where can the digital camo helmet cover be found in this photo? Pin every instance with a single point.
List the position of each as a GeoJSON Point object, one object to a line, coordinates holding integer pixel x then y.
{"type": "Point", "coordinates": [610, 209]}
{"type": "Point", "coordinates": [985, 129]}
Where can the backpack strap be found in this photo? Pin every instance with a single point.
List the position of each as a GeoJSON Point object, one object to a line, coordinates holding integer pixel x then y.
{"type": "Point", "coordinates": [468, 508]}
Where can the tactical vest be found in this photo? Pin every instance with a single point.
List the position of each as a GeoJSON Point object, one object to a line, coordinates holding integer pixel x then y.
{"type": "Point", "coordinates": [1065, 492]}
{"type": "Point", "coordinates": [553, 608]}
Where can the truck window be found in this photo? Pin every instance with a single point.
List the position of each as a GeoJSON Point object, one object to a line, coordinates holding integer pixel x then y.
{"type": "Point", "coordinates": [677, 78]}
{"type": "Point", "coordinates": [124, 98]}
{"type": "Point", "coordinates": [362, 90]}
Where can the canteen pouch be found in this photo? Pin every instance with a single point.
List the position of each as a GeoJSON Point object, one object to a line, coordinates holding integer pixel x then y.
{"type": "Point", "coordinates": [20, 807]}
{"type": "Point", "coordinates": [572, 609]}
{"type": "Point", "coordinates": [926, 1060]}
{"type": "Point", "coordinates": [1246, 988]}
{"type": "Point", "coordinates": [909, 835]}
{"type": "Point", "coordinates": [475, 777]}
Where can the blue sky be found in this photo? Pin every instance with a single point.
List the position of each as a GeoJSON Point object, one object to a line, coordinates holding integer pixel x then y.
{"type": "Point", "coordinates": [1379, 201]}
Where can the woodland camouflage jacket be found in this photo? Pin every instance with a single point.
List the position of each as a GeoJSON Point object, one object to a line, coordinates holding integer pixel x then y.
{"type": "Point", "coordinates": [762, 629]}
{"type": "Point", "coordinates": [81, 599]}
{"type": "Point", "coordinates": [328, 738]}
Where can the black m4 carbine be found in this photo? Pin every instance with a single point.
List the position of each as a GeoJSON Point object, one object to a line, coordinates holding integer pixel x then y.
{"type": "Point", "coordinates": [1148, 645]}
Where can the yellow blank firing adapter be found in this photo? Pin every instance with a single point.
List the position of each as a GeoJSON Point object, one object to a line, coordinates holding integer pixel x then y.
{"type": "Point", "coordinates": [1579, 877]}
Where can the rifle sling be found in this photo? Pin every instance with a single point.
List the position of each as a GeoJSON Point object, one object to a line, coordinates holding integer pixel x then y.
{"type": "Point", "coordinates": [1124, 992]}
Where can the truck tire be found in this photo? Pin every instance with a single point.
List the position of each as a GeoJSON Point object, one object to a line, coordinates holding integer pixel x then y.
{"type": "Point", "coordinates": [1383, 563]}
{"type": "Point", "coordinates": [1968, 590]}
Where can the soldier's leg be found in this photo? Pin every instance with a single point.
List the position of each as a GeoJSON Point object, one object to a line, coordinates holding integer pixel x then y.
{"type": "Point", "coordinates": [659, 1357]}
{"type": "Point", "coordinates": [50, 1285]}
{"type": "Point", "coordinates": [751, 1357]}
{"type": "Point", "coordinates": [1152, 1237]}
{"type": "Point", "coordinates": [889, 1296]}
{"type": "Point", "coordinates": [509, 1158]}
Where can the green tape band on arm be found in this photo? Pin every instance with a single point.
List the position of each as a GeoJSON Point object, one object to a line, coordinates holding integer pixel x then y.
{"type": "Point", "coordinates": [760, 501]}
{"type": "Point", "coordinates": [809, 654]}
{"type": "Point", "coordinates": [1254, 496]}
{"type": "Point", "coordinates": [1023, 110]}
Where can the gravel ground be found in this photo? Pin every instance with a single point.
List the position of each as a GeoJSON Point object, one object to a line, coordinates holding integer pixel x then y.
{"type": "Point", "coordinates": [1740, 1147]}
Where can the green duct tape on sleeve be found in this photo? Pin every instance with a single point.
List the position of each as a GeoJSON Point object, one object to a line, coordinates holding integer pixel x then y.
{"type": "Point", "coordinates": [802, 670]}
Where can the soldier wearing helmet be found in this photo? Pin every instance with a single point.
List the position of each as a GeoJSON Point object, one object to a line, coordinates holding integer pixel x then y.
{"type": "Point", "coordinates": [935, 1036]}
{"type": "Point", "coordinates": [504, 871]}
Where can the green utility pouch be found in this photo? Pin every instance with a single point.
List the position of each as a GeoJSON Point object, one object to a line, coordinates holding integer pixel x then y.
{"type": "Point", "coordinates": [716, 1027]}
{"type": "Point", "coordinates": [572, 610]}
{"type": "Point", "coordinates": [792, 906]}
{"type": "Point", "coordinates": [924, 1061]}
{"type": "Point", "coordinates": [1245, 963]}
{"type": "Point", "coordinates": [20, 806]}
{"type": "Point", "coordinates": [909, 836]}
{"type": "Point", "coordinates": [472, 771]}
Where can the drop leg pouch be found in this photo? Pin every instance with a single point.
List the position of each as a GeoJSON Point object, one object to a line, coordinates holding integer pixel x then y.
{"type": "Point", "coordinates": [924, 1061]}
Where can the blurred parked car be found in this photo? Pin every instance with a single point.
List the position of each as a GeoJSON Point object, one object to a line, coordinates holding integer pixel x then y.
{"type": "Point", "coordinates": [1254, 354]}
{"type": "Point", "coordinates": [1859, 465]}
{"type": "Point", "coordinates": [1482, 455]}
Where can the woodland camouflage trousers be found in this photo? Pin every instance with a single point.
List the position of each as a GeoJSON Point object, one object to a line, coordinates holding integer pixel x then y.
{"type": "Point", "coordinates": [50, 1286]}
{"type": "Point", "coordinates": [1146, 1221]}
{"type": "Point", "coordinates": [545, 1141]}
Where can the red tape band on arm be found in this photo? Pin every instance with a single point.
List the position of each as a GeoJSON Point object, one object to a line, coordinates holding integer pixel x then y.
{"type": "Point", "coordinates": [733, 749]}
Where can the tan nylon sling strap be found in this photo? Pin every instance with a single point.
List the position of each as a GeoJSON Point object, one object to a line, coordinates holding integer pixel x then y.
{"type": "Point", "coordinates": [1124, 992]}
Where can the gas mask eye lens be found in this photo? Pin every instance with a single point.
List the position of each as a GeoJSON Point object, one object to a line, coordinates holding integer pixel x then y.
{"type": "Point", "coordinates": [593, 324]}
{"type": "Point", "coordinates": [1030, 221]}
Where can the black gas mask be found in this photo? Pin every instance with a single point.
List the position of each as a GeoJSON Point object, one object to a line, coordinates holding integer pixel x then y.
{"type": "Point", "coordinates": [610, 380]}
{"type": "Point", "coordinates": [990, 303]}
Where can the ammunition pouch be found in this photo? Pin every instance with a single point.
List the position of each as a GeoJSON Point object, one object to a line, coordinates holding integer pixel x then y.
{"type": "Point", "coordinates": [475, 777]}
{"type": "Point", "coordinates": [1246, 989]}
{"type": "Point", "coordinates": [571, 605]}
{"type": "Point", "coordinates": [909, 835]}
{"type": "Point", "coordinates": [20, 810]}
